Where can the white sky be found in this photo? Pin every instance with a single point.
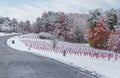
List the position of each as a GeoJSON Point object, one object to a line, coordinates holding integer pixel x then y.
{"type": "Point", "coordinates": [31, 9]}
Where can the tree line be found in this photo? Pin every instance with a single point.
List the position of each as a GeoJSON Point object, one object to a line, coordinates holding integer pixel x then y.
{"type": "Point", "coordinates": [101, 29]}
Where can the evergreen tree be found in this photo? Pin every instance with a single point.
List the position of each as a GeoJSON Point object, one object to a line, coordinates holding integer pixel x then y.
{"type": "Point", "coordinates": [111, 16]}
{"type": "Point", "coordinates": [94, 16]}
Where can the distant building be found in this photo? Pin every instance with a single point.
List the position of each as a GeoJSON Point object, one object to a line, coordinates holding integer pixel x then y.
{"type": "Point", "coordinates": [44, 35]}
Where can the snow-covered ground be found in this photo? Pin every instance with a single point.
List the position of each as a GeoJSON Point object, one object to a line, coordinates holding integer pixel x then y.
{"type": "Point", "coordinates": [108, 68]}
{"type": "Point", "coordinates": [5, 34]}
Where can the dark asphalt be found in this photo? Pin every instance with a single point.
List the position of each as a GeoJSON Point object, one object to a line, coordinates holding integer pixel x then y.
{"type": "Point", "coordinates": [19, 64]}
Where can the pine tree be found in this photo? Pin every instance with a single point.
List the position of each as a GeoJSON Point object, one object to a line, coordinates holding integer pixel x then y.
{"type": "Point", "coordinates": [93, 17]}
{"type": "Point", "coordinates": [111, 16]}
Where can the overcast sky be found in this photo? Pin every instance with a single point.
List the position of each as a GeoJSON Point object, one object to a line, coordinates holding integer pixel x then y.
{"type": "Point", "coordinates": [31, 9]}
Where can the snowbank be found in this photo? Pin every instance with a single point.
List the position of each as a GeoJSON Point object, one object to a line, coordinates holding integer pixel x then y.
{"type": "Point", "coordinates": [107, 68]}
{"type": "Point", "coordinates": [5, 34]}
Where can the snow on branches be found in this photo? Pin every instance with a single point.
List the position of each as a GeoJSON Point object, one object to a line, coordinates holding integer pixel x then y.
{"type": "Point", "coordinates": [114, 41]}
{"type": "Point", "coordinates": [104, 32]}
{"type": "Point", "coordinates": [99, 35]}
{"type": "Point", "coordinates": [68, 27]}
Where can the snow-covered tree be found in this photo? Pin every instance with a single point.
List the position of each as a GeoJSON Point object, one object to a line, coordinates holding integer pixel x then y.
{"type": "Point", "coordinates": [114, 41]}
{"type": "Point", "coordinates": [93, 17]}
{"type": "Point", "coordinates": [21, 27]}
{"type": "Point", "coordinates": [86, 31]}
{"type": "Point", "coordinates": [112, 18]}
{"type": "Point", "coordinates": [13, 24]}
{"type": "Point", "coordinates": [64, 25]}
{"type": "Point", "coordinates": [98, 36]}
{"type": "Point", "coordinates": [117, 27]}
{"type": "Point", "coordinates": [36, 25]}
{"type": "Point", "coordinates": [48, 20]}
{"type": "Point", "coordinates": [76, 23]}
{"type": "Point", "coordinates": [61, 26]}
{"type": "Point", "coordinates": [28, 26]}
{"type": "Point", "coordinates": [54, 40]}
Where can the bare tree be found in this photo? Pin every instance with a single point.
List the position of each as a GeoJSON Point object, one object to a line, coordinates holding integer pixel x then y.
{"type": "Point", "coordinates": [54, 40]}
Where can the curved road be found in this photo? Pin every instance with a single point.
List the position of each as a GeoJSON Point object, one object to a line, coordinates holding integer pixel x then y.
{"type": "Point", "coordinates": [19, 64]}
